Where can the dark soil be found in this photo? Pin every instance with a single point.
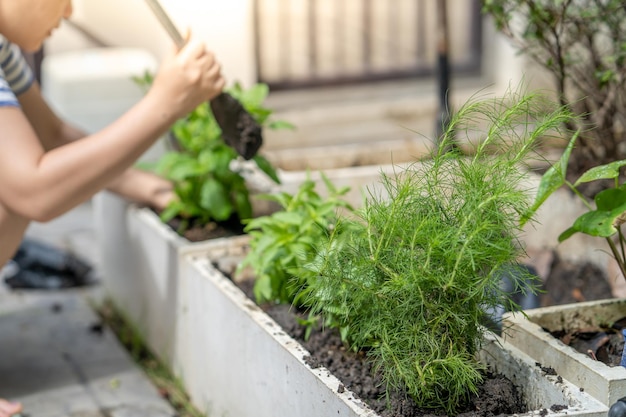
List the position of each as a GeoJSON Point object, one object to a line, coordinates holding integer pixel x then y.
{"type": "Point", "coordinates": [603, 342]}
{"type": "Point", "coordinates": [194, 231]}
{"type": "Point", "coordinates": [570, 283]}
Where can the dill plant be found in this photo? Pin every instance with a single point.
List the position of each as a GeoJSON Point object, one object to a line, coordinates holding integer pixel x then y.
{"type": "Point", "coordinates": [412, 280]}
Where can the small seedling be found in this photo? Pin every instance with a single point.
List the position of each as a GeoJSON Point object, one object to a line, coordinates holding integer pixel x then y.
{"type": "Point", "coordinates": [284, 241]}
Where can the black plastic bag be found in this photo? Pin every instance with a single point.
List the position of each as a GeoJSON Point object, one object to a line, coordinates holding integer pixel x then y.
{"type": "Point", "coordinates": [38, 265]}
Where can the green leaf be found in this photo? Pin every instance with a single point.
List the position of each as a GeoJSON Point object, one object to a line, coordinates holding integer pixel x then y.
{"type": "Point", "coordinates": [611, 199]}
{"type": "Point", "coordinates": [611, 205]}
{"type": "Point", "coordinates": [608, 171]}
{"type": "Point", "coordinates": [255, 95]}
{"type": "Point", "coordinates": [243, 207]}
{"type": "Point", "coordinates": [552, 180]}
{"type": "Point", "coordinates": [214, 198]}
{"type": "Point", "coordinates": [171, 211]}
{"type": "Point", "coordinates": [207, 159]}
{"type": "Point", "coordinates": [257, 223]}
{"type": "Point", "coordinates": [262, 243]}
{"type": "Point", "coordinates": [287, 217]}
{"type": "Point", "coordinates": [265, 166]}
{"type": "Point", "coordinates": [184, 190]}
{"type": "Point", "coordinates": [282, 198]}
{"type": "Point", "coordinates": [281, 124]}
{"type": "Point", "coordinates": [222, 158]}
{"type": "Point", "coordinates": [567, 234]}
{"type": "Point", "coordinates": [263, 288]}
{"type": "Point", "coordinates": [593, 223]}
{"type": "Point", "coordinates": [184, 168]}
{"type": "Point", "coordinates": [164, 164]}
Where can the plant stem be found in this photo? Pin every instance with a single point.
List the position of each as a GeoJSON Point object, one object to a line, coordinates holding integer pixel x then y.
{"type": "Point", "coordinates": [616, 255]}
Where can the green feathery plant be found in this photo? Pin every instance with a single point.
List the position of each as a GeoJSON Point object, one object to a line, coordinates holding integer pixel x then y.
{"type": "Point", "coordinates": [208, 186]}
{"type": "Point", "coordinates": [281, 243]}
{"type": "Point", "coordinates": [413, 279]}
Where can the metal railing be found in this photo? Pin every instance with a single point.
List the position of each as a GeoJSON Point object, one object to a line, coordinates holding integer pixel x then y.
{"type": "Point", "coordinates": [307, 43]}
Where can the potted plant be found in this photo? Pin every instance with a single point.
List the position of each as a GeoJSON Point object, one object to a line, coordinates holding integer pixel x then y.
{"type": "Point", "coordinates": [579, 44]}
{"type": "Point", "coordinates": [210, 186]}
{"type": "Point", "coordinates": [283, 242]}
{"type": "Point", "coordinates": [410, 282]}
{"type": "Point", "coordinates": [445, 233]}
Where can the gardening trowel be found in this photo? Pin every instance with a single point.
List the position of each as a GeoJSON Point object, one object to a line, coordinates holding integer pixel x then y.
{"type": "Point", "coordinates": [239, 129]}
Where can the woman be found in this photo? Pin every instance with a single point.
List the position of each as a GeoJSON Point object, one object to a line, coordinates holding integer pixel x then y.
{"type": "Point", "coordinates": [44, 170]}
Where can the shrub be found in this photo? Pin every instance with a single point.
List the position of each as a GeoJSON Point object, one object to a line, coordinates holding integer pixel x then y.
{"type": "Point", "coordinates": [582, 44]}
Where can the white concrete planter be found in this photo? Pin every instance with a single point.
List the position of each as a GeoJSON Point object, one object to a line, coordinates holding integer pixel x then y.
{"type": "Point", "coordinates": [139, 262]}
{"type": "Point", "coordinates": [235, 360]}
{"type": "Point", "coordinates": [607, 384]}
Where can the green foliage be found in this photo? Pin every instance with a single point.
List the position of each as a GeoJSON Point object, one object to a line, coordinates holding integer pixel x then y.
{"type": "Point", "coordinates": [582, 44]}
{"type": "Point", "coordinates": [284, 241]}
{"type": "Point", "coordinates": [412, 279]}
{"type": "Point", "coordinates": [607, 211]}
{"type": "Point", "coordinates": [208, 185]}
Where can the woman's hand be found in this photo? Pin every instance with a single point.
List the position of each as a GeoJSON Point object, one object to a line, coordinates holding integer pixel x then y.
{"type": "Point", "coordinates": [187, 78]}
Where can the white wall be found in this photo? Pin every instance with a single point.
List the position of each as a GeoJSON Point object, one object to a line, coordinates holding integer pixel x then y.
{"type": "Point", "coordinates": [226, 28]}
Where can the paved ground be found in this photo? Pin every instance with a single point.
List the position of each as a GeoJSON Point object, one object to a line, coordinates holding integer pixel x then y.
{"type": "Point", "coordinates": [52, 357]}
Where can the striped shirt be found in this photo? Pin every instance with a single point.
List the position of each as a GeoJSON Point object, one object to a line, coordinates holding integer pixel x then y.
{"type": "Point", "coordinates": [15, 75]}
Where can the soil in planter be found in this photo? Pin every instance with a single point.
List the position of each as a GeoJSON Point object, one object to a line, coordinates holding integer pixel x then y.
{"type": "Point", "coordinates": [197, 232]}
{"type": "Point", "coordinates": [571, 283]}
{"type": "Point", "coordinates": [497, 395]}
{"type": "Point", "coordinates": [603, 343]}
{"type": "Point", "coordinates": [566, 283]}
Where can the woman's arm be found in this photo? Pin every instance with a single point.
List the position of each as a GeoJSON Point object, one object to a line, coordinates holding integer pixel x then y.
{"type": "Point", "coordinates": [133, 184]}
{"type": "Point", "coordinates": [41, 185]}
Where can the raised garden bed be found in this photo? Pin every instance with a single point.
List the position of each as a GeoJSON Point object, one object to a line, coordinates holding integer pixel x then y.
{"type": "Point", "coordinates": [228, 348]}
{"type": "Point", "coordinates": [139, 256]}
{"type": "Point", "coordinates": [534, 334]}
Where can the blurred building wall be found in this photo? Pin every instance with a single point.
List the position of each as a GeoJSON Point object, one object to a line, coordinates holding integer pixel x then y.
{"type": "Point", "coordinates": [226, 27]}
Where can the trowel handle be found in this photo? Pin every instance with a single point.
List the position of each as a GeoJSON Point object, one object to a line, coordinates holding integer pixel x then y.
{"type": "Point", "coordinates": [166, 22]}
